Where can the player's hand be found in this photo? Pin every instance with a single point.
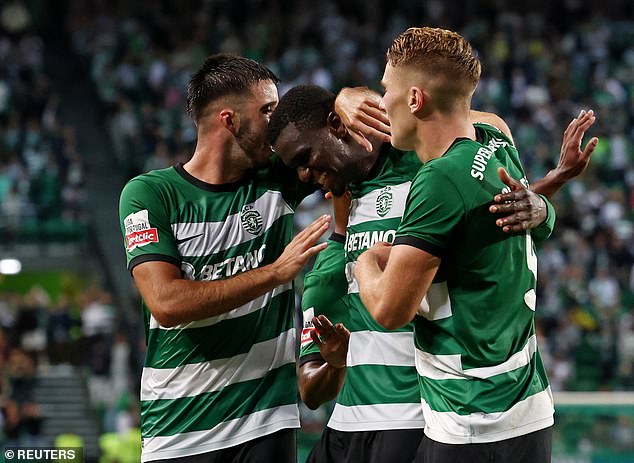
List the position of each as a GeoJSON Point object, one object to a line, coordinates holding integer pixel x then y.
{"type": "Point", "coordinates": [332, 340]}
{"type": "Point", "coordinates": [360, 111]}
{"type": "Point", "coordinates": [301, 248]}
{"type": "Point", "coordinates": [572, 160]}
{"type": "Point", "coordinates": [526, 209]}
{"type": "Point", "coordinates": [341, 210]}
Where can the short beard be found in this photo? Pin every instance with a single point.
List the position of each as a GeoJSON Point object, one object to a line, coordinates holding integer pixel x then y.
{"type": "Point", "coordinates": [246, 142]}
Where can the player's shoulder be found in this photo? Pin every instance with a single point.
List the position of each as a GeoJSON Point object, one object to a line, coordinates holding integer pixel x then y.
{"type": "Point", "coordinates": [156, 177]}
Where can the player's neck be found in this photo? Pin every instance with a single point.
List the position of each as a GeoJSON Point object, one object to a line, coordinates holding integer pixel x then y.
{"type": "Point", "coordinates": [435, 135]}
{"type": "Point", "coordinates": [214, 163]}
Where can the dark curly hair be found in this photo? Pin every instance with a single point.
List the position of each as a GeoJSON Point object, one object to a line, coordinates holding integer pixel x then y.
{"type": "Point", "coordinates": [223, 74]}
{"type": "Point", "coordinates": [307, 106]}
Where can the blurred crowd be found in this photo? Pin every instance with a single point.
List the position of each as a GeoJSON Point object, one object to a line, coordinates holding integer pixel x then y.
{"type": "Point", "coordinates": [79, 327]}
{"type": "Point", "coordinates": [539, 70]}
{"type": "Point", "coordinates": [41, 171]}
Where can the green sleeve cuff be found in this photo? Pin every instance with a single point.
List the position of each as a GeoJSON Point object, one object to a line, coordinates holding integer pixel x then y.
{"type": "Point", "coordinates": [543, 231]}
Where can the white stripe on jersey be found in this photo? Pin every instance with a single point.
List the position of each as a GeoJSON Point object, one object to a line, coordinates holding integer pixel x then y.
{"type": "Point", "coordinates": [198, 378]}
{"type": "Point", "coordinates": [439, 367]}
{"type": "Point", "coordinates": [378, 348]}
{"type": "Point", "coordinates": [214, 237]}
{"type": "Point", "coordinates": [222, 435]}
{"type": "Point", "coordinates": [533, 413]}
{"type": "Point", "coordinates": [364, 209]}
{"type": "Point", "coordinates": [378, 417]}
{"type": "Point", "coordinates": [436, 304]}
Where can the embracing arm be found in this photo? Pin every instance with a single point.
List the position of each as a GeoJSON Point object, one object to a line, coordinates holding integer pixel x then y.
{"type": "Point", "coordinates": [173, 300]}
{"type": "Point", "coordinates": [526, 209]}
{"type": "Point", "coordinates": [393, 296]}
{"type": "Point", "coordinates": [491, 119]}
{"type": "Point", "coordinates": [321, 377]}
{"type": "Point", "coordinates": [361, 112]}
{"type": "Point", "coordinates": [319, 382]}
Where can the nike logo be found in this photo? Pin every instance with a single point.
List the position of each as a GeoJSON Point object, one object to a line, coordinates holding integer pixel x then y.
{"type": "Point", "coordinates": [184, 240]}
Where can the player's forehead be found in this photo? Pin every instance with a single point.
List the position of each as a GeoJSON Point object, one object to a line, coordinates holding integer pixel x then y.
{"type": "Point", "coordinates": [388, 75]}
{"type": "Point", "coordinates": [294, 143]}
{"type": "Point", "coordinates": [288, 142]}
{"type": "Point", "coordinates": [264, 92]}
{"type": "Point", "coordinates": [291, 139]}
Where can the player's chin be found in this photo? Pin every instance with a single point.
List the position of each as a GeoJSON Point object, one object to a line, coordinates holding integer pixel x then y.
{"type": "Point", "coordinates": [400, 144]}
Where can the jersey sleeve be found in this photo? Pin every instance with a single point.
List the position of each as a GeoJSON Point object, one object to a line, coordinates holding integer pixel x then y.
{"type": "Point", "coordinates": [545, 229]}
{"type": "Point", "coordinates": [145, 225]}
{"type": "Point", "coordinates": [433, 210]}
{"type": "Point", "coordinates": [325, 288]}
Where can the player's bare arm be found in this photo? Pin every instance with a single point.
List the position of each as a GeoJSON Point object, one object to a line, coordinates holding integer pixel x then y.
{"type": "Point", "coordinates": [173, 300]}
{"type": "Point", "coordinates": [491, 119]}
{"type": "Point", "coordinates": [572, 159]}
{"type": "Point", "coordinates": [520, 203]}
{"type": "Point", "coordinates": [392, 289]}
{"type": "Point", "coordinates": [362, 114]}
{"type": "Point", "coordinates": [321, 381]}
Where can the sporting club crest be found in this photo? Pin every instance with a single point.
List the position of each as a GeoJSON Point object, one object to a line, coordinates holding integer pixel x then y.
{"type": "Point", "coordinates": [384, 201]}
{"type": "Point", "coordinates": [251, 220]}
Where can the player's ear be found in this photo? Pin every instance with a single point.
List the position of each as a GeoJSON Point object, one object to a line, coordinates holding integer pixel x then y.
{"type": "Point", "coordinates": [416, 99]}
{"type": "Point", "coordinates": [229, 120]}
{"type": "Point", "coordinates": [336, 125]}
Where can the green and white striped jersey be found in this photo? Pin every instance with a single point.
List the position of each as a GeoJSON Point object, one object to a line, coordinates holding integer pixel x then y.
{"type": "Point", "coordinates": [481, 376]}
{"type": "Point", "coordinates": [380, 391]}
{"type": "Point", "coordinates": [227, 379]}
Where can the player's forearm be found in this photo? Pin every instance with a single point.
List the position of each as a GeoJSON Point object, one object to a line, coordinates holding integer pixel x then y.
{"type": "Point", "coordinates": [182, 301]}
{"type": "Point", "coordinates": [373, 295]}
{"type": "Point", "coordinates": [551, 183]}
{"type": "Point", "coordinates": [319, 383]}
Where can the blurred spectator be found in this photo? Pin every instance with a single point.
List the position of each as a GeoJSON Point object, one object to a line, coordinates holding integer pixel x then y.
{"type": "Point", "coordinates": [31, 320]}
{"type": "Point", "coordinates": [604, 289]}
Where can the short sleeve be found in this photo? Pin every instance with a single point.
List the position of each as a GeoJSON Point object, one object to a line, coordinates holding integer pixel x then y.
{"type": "Point", "coordinates": [145, 225]}
{"type": "Point", "coordinates": [433, 210]}
{"type": "Point", "coordinates": [545, 229]}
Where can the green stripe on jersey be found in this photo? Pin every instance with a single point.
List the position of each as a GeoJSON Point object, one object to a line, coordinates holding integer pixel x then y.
{"type": "Point", "coordinates": [382, 385]}
{"type": "Point", "coordinates": [204, 411]}
{"type": "Point", "coordinates": [490, 395]}
{"type": "Point", "coordinates": [173, 348]}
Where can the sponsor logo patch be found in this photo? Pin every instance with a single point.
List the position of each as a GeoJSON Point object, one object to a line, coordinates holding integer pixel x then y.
{"type": "Point", "coordinates": [308, 326]}
{"type": "Point", "coordinates": [251, 220]}
{"type": "Point", "coordinates": [384, 201]}
{"type": "Point", "coordinates": [138, 231]}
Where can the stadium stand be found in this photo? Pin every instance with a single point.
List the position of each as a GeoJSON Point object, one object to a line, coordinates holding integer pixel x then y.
{"type": "Point", "coordinates": [81, 114]}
